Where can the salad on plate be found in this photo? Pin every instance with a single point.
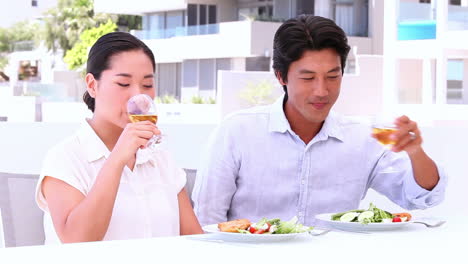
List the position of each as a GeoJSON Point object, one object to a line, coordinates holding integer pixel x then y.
{"type": "Point", "coordinates": [371, 215]}
{"type": "Point", "coordinates": [264, 226]}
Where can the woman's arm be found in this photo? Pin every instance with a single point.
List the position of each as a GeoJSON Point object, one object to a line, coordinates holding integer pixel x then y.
{"type": "Point", "coordinates": [188, 221]}
{"type": "Point", "coordinates": [79, 218]}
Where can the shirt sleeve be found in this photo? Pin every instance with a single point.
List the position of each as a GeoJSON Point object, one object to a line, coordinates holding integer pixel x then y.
{"type": "Point", "coordinates": [58, 164]}
{"type": "Point", "coordinates": [215, 183]}
{"type": "Point", "coordinates": [393, 177]}
{"type": "Point", "coordinates": [176, 175]}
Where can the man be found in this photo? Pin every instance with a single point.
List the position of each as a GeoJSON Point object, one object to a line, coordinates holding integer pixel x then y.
{"type": "Point", "coordinates": [295, 157]}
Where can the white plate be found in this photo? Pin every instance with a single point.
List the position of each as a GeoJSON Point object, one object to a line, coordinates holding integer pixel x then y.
{"type": "Point", "coordinates": [238, 237]}
{"type": "Point", "coordinates": [355, 226]}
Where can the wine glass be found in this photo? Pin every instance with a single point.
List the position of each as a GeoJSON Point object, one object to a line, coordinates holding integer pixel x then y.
{"type": "Point", "coordinates": [141, 107]}
{"type": "Point", "coordinates": [382, 128]}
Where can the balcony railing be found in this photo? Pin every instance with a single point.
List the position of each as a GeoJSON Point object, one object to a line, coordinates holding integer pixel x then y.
{"type": "Point", "coordinates": [416, 21]}
{"type": "Point", "coordinates": [28, 45]}
{"type": "Point", "coordinates": [458, 17]}
{"type": "Point", "coordinates": [177, 32]}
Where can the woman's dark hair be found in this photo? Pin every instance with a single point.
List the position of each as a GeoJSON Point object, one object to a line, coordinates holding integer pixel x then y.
{"type": "Point", "coordinates": [306, 32]}
{"type": "Point", "coordinates": [102, 51]}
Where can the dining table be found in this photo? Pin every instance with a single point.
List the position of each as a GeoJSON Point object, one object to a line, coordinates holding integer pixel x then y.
{"type": "Point", "coordinates": [413, 243]}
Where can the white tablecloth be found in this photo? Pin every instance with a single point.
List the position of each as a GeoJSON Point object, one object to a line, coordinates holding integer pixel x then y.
{"type": "Point", "coordinates": [413, 244]}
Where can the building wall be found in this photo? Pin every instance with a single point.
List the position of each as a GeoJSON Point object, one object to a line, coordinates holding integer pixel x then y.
{"type": "Point", "coordinates": [410, 81]}
{"type": "Point", "coordinates": [262, 34]}
{"type": "Point", "coordinates": [227, 9]}
{"type": "Point", "coordinates": [138, 7]}
{"type": "Point", "coordinates": [465, 81]}
{"type": "Point", "coordinates": [364, 45]}
{"type": "Point", "coordinates": [20, 10]}
{"type": "Point", "coordinates": [18, 108]}
{"type": "Point", "coordinates": [376, 25]}
{"type": "Point", "coordinates": [361, 93]}
{"type": "Point", "coordinates": [235, 39]}
{"type": "Point", "coordinates": [232, 83]}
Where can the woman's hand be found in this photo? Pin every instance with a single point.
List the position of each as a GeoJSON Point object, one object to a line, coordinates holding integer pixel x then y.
{"type": "Point", "coordinates": [134, 136]}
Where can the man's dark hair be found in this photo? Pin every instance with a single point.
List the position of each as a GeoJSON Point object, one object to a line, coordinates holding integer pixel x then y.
{"type": "Point", "coordinates": [306, 32]}
{"type": "Point", "coordinates": [102, 51]}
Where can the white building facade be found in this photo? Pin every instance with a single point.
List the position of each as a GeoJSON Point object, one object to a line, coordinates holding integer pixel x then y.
{"type": "Point", "coordinates": [421, 64]}
{"type": "Point", "coordinates": [20, 10]}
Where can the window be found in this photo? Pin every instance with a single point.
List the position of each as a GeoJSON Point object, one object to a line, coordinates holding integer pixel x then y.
{"type": "Point", "coordinates": [207, 75]}
{"type": "Point", "coordinates": [455, 81]}
{"type": "Point", "coordinates": [34, 3]}
{"type": "Point", "coordinates": [190, 73]}
{"type": "Point", "coordinates": [352, 16]}
{"type": "Point", "coordinates": [202, 15]}
{"type": "Point", "coordinates": [260, 9]}
{"type": "Point", "coordinates": [168, 79]}
{"type": "Point", "coordinates": [305, 7]}
{"type": "Point", "coordinates": [192, 17]}
{"type": "Point", "coordinates": [257, 64]}
{"type": "Point", "coordinates": [212, 14]}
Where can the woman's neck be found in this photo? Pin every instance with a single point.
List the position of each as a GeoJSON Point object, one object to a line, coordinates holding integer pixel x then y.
{"type": "Point", "coordinates": [108, 132]}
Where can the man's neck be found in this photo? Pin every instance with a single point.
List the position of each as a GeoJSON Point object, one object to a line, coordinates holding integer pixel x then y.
{"type": "Point", "coordinates": [305, 129]}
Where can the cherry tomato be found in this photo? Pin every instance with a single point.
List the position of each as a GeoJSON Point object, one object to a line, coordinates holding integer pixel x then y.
{"type": "Point", "coordinates": [260, 231]}
{"type": "Point", "coordinates": [407, 215]}
{"type": "Point", "coordinates": [396, 219]}
{"type": "Point", "coordinates": [252, 229]}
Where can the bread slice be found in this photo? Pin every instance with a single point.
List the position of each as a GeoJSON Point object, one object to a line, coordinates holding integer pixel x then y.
{"type": "Point", "coordinates": [234, 225]}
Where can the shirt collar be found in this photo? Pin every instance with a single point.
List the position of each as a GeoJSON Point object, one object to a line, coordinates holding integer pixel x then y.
{"type": "Point", "coordinates": [279, 123]}
{"type": "Point", "coordinates": [332, 127]}
{"type": "Point", "coordinates": [277, 120]}
{"type": "Point", "coordinates": [95, 149]}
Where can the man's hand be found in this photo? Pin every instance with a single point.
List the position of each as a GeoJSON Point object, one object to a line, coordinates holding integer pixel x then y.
{"type": "Point", "coordinates": [408, 137]}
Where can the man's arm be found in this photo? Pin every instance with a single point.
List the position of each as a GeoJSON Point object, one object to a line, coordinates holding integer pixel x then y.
{"type": "Point", "coordinates": [408, 138]}
{"type": "Point", "coordinates": [412, 181]}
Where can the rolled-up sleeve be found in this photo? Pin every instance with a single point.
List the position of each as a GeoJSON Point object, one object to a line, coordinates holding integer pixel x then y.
{"type": "Point", "coordinates": [215, 183]}
{"type": "Point", "coordinates": [422, 198]}
{"type": "Point", "coordinates": [393, 177]}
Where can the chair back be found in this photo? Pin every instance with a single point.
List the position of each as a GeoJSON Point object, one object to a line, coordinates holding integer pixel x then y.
{"type": "Point", "coordinates": [191, 175]}
{"type": "Point", "coordinates": [21, 218]}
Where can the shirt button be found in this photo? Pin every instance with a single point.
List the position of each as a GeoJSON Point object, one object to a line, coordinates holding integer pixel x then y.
{"type": "Point", "coordinates": [303, 182]}
{"type": "Point", "coordinates": [300, 213]}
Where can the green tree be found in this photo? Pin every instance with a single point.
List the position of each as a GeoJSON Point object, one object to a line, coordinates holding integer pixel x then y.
{"type": "Point", "coordinates": [64, 24]}
{"type": "Point", "coordinates": [4, 40]}
{"type": "Point", "coordinates": [260, 93]}
{"type": "Point", "coordinates": [130, 22]}
{"type": "Point", "coordinates": [21, 31]}
{"type": "Point", "coordinates": [3, 62]}
{"type": "Point", "coordinates": [77, 56]}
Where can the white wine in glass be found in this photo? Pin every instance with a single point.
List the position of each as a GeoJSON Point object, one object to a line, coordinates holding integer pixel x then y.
{"type": "Point", "coordinates": [141, 107]}
{"type": "Point", "coordinates": [138, 118]}
{"type": "Point", "coordinates": [382, 129]}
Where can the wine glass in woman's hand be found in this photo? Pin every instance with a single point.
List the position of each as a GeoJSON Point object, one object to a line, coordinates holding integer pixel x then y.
{"type": "Point", "coordinates": [141, 107]}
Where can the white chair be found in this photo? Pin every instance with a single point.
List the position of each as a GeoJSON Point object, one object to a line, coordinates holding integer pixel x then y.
{"type": "Point", "coordinates": [22, 219]}
{"type": "Point", "coordinates": [191, 175]}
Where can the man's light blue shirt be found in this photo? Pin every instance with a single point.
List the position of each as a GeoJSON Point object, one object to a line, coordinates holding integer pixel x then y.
{"type": "Point", "coordinates": [256, 166]}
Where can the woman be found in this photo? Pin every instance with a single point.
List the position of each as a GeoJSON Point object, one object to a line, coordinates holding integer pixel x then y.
{"type": "Point", "coordinates": [103, 183]}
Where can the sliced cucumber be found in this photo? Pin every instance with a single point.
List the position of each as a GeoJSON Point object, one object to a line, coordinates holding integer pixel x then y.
{"type": "Point", "coordinates": [365, 215]}
{"type": "Point", "coordinates": [348, 217]}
